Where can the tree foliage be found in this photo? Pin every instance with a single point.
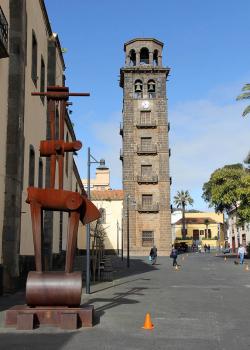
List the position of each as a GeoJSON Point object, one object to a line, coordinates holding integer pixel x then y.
{"type": "Point", "coordinates": [181, 200]}
{"type": "Point", "coordinates": [243, 96]}
{"type": "Point", "coordinates": [229, 188]}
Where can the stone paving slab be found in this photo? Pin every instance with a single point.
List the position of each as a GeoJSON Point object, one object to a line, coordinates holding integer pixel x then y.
{"type": "Point", "coordinates": [204, 305]}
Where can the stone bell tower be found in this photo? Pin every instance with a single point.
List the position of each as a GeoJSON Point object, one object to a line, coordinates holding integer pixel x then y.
{"type": "Point", "coordinates": [145, 153]}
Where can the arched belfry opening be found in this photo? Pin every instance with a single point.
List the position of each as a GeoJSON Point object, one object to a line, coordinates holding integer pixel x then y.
{"type": "Point", "coordinates": [138, 89]}
{"type": "Point", "coordinates": [155, 58]}
{"type": "Point", "coordinates": [144, 56]}
{"type": "Point", "coordinates": [132, 58]}
{"type": "Point", "coordinates": [151, 88]}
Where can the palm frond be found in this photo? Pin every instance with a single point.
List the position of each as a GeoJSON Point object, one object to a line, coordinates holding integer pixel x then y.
{"type": "Point", "coordinates": [246, 111]}
{"type": "Point", "coordinates": [246, 87]}
{"type": "Point", "coordinates": [244, 96]}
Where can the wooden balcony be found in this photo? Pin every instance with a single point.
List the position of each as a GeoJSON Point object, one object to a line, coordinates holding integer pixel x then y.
{"type": "Point", "coordinates": [121, 154]}
{"type": "Point", "coordinates": [147, 125]}
{"type": "Point", "coordinates": [149, 208]}
{"type": "Point", "coordinates": [153, 179]}
{"type": "Point", "coordinates": [121, 129]}
{"type": "Point", "coordinates": [149, 149]}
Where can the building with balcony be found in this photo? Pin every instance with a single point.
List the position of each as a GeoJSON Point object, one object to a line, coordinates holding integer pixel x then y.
{"type": "Point", "coordinates": [145, 152]}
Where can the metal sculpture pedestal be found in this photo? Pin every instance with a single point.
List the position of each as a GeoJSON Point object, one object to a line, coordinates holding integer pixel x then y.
{"type": "Point", "coordinates": [54, 297]}
{"type": "Point", "coordinates": [24, 317]}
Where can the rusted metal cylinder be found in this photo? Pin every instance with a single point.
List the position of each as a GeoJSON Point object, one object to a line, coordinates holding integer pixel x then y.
{"type": "Point", "coordinates": [50, 198]}
{"type": "Point", "coordinates": [53, 288]}
{"type": "Point", "coordinates": [53, 147]}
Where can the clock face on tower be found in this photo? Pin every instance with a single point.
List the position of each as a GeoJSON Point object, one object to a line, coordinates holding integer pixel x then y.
{"type": "Point", "coordinates": [145, 104]}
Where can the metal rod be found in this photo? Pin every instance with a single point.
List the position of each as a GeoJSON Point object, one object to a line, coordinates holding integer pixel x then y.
{"type": "Point", "coordinates": [117, 228]}
{"type": "Point", "coordinates": [88, 233]}
{"type": "Point", "coordinates": [60, 93]}
{"type": "Point", "coordinates": [128, 262]}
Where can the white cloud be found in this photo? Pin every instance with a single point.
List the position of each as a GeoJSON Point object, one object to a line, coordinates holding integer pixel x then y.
{"type": "Point", "coordinates": [205, 136]}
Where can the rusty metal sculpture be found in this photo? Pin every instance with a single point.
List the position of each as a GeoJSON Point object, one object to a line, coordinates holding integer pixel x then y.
{"type": "Point", "coordinates": [54, 297]}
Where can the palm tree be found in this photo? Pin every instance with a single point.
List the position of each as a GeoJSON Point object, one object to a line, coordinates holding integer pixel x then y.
{"type": "Point", "coordinates": [206, 222]}
{"type": "Point", "coordinates": [245, 95]}
{"type": "Point", "coordinates": [181, 200]}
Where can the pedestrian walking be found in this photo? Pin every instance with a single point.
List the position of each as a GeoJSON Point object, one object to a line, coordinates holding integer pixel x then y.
{"type": "Point", "coordinates": [208, 248]}
{"type": "Point", "coordinates": [173, 255]}
{"type": "Point", "coordinates": [153, 254]}
{"type": "Point", "coordinates": [241, 253]}
{"type": "Point", "coordinates": [205, 248]}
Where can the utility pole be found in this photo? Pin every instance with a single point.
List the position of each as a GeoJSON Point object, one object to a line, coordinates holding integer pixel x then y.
{"type": "Point", "coordinates": [128, 262]}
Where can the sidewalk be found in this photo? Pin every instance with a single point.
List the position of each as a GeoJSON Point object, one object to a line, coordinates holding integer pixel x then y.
{"type": "Point", "coordinates": [202, 306]}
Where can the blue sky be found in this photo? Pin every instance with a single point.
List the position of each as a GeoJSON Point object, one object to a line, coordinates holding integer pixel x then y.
{"type": "Point", "coordinates": [207, 49]}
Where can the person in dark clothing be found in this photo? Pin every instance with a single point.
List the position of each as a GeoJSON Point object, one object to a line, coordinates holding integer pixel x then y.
{"type": "Point", "coordinates": [153, 254]}
{"type": "Point", "coordinates": [173, 255]}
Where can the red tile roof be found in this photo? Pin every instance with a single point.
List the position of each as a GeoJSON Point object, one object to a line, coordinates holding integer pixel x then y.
{"type": "Point", "coordinates": [108, 195]}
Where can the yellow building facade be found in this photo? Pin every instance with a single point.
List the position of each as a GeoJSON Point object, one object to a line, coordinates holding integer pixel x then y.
{"type": "Point", "coordinates": [201, 228]}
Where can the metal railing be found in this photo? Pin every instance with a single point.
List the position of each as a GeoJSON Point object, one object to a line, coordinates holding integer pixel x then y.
{"type": "Point", "coordinates": [3, 35]}
{"type": "Point", "coordinates": [148, 208]}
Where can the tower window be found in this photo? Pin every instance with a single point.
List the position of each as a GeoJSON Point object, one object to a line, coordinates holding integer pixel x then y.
{"type": "Point", "coordinates": [151, 88]}
{"type": "Point", "coordinates": [147, 200]}
{"type": "Point", "coordinates": [145, 118]}
{"type": "Point", "coordinates": [146, 143]}
{"type": "Point", "coordinates": [155, 58]}
{"type": "Point", "coordinates": [34, 59]}
{"type": "Point", "coordinates": [132, 58]}
{"type": "Point", "coordinates": [147, 238]}
{"type": "Point", "coordinates": [146, 170]}
{"type": "Point", "coordinates": [144, 56]}
{"type": "Point", "coordinates": [138, 92]}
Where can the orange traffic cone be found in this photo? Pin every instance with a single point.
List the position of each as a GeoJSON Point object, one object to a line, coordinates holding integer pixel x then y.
{"type": "Point", "coordinates": [147, 323]}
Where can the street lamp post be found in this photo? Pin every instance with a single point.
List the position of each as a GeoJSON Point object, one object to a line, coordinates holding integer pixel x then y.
{"type": "Point", "coordinates": [91, 160]}
{"type": "Point", "coordinates": [128, 262]}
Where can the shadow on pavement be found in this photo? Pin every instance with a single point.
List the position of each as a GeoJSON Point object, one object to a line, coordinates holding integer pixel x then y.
{"type": "Point", "coordinates": [116, 300]}
{"type": "Point", "coordinates": [35, 341]}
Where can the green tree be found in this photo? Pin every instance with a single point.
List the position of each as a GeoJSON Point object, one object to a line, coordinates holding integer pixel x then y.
{"type": "Point", "coordinates": [245, 95]}
{"type": "Point", "coordinates": [181, 200]}
{"type": "Point", "coordinates": [229, 188]}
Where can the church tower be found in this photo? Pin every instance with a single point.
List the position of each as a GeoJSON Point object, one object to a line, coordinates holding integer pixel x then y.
{"type": "Point", "coordinates": [145, 153]}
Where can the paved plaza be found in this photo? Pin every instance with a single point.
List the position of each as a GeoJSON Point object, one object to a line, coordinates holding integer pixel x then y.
{"type": "Point", "coordinates": [204, 305]}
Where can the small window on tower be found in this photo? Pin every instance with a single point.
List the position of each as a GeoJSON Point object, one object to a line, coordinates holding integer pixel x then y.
{"type": "Point", "coordinates": [138, 92]}
{"type": "Point", "coordinates": [145, 118]}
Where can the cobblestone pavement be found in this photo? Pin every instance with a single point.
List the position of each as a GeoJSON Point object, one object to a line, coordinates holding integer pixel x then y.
{"type": "Point", "coordinates": [204, 305]}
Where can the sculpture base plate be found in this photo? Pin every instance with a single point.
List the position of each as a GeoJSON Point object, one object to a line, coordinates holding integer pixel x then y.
{"type": "Point", "coordinates": [24, 317]}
